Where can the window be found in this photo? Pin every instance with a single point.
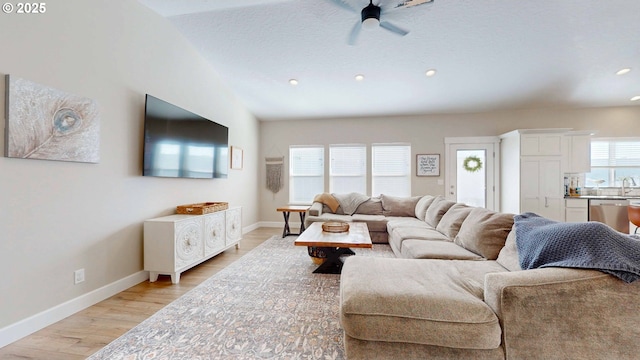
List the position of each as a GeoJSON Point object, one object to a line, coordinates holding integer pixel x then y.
{"type": "Point", "coordinates": [306, 173]}
{"type": "Point", "coordinates": [613, 160]}
{"type": "Point", "coordinates": [348, 169]}
{"type": "Point", "coordinates": [391, 169]}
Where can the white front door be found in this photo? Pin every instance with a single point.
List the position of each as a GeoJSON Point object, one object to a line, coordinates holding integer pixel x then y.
{"type": "Point", "coordinates": [471, 172]}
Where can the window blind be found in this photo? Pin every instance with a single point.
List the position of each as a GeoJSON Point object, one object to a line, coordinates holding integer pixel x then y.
{"type": "Point", "coordinates": [391, 169]}
{"type": "Point", "coordinates": [348, 169]}
{"type": "Point", "coordinates": [615, 153]}
{"type": "Point", "coordinates": [306, 173]}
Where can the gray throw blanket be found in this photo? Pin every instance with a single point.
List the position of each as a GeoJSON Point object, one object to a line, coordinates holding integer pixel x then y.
{"type": "Point", "coordinates": [546, 243]}
{"type": "Point", "coordinates": [350, 202]}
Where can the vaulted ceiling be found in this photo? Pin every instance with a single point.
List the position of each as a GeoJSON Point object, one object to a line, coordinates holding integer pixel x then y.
{"type": "Point", "coordinates": [487, 54]}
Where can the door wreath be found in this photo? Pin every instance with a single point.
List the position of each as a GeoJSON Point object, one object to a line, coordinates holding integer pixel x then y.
{"type": "Point", "coordinates": [472, 163]}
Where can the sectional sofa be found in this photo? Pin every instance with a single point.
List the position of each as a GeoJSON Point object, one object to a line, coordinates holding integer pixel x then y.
{"type": "Point", "coordinates": [456, 291]}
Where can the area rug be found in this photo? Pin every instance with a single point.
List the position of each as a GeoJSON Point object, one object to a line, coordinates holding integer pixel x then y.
{"type": "Point", "coordinates": [266, 305]}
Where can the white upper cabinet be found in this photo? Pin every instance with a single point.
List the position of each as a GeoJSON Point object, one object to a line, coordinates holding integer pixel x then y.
{"type": "Point", "coordinates": [541, 144]}
{"type": "Point", "coordinates": [578, 153]}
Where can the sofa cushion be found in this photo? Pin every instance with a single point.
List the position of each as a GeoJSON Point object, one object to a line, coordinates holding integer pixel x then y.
{"type": "Point", "coordinates": [484, 232]}
{"type": "Point", "coordinates": [438, 208]}
{"type": "Point", "coordinates": [451, 221]}
{"type": "Point", "coordinates": [422, 206]}
{"type": "Point", "coordinates": [402, 222]}
{"type": "Point", "coordinates": [330, 217]}
{"type": "Point", "coordinates": [429, 249]}
{"type": "Point", "coordinates": [432, 302]}
{"type": "Point", "coordinates": [400, 234]}
{"type": "Point", "coordinates": [373, 206]}
{"type": "Point", "coordinates": [419, 234]}
{"type": "Point", "coordinates": [399, 206]}
{"type": "Point", "coordinates": [374, 222]}
{"type": "Point", "coordinates": [508, 256]}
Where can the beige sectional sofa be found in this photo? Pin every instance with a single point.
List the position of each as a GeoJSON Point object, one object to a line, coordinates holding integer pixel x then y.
{"type": "Point", "coordinates": [456, 291]}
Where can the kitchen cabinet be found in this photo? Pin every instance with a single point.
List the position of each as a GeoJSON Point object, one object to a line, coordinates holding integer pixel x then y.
{"type": "Point", "coordinates": [541, 190]}
{"type": "Point", "coordinates": [532, 169]}
{"type": "Point", "coordinates": [535, 144]}
{"type": "Point", "coordinates": [578, 153]}
{"type": "Point", "coordinates": [576, 210]}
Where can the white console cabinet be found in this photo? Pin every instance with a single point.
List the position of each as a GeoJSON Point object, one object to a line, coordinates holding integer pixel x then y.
{"type": "Point", "coordinates": [175, 243]}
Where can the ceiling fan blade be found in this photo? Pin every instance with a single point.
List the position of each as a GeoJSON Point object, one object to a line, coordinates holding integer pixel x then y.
{"type": "Point", "coordinates": [353, 35]}
{"type": "Point", "coordinates": [393, 28]}
{"type": "Point", "coordinates": [412, 3]}
{"type": "Point", "coordinates": [343, 5]}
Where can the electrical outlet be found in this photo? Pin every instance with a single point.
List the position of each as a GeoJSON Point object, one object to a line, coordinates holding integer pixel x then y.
{"type": "Point", "coordinates": [78, 276]}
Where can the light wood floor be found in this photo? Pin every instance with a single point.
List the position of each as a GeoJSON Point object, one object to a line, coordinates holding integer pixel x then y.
{"type": "Point", "coordinates": [87, 331]}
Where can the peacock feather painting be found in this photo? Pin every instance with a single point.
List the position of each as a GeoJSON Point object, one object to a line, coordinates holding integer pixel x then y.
{"type": "Point", "coordinates": [49, 124]}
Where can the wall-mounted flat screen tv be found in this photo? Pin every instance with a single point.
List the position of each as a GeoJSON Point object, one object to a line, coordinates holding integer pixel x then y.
{"type": "Point", "coordinates": [181, 144]}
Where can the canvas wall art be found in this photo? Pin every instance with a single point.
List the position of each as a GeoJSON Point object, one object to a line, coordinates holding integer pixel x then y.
{"type": "Point", "coordinates": [49, 124]}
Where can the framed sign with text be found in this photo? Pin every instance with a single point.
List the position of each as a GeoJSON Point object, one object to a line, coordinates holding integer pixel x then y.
{"type": "Point", "coordinates": [428, 165]}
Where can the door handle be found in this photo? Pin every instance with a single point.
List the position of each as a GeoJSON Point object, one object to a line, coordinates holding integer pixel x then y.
{"type": "Point", "coordinates": [546, 201]}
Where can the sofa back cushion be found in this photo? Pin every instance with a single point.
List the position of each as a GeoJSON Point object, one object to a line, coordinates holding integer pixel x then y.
{"type": "Point", "coordinates": [373, 206]}
{"type": "Point", "coordinates": [422, 206]}
{"type": "Point", "coordinates": [437, 209]}
{"type": "Point", "coordinates": [399, 206]}
{"type": "Point", "coordinates": [508, 256]}
{"type": "Point", "coordinates": [451, 221]}
{"type": "Point", "coordinates": [484, 232]}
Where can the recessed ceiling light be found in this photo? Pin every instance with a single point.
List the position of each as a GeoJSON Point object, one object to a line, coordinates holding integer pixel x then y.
{"type": "Point", "coordinates": [635, 98]}
{"type": "Point", "coordinates": [623, 71]}
{"type": "Point", "coordinates": [293, 82]}
{"type": "Point", "coordinates": [430, 72]}
{"type": "Point", "coordinates": [359, 77]}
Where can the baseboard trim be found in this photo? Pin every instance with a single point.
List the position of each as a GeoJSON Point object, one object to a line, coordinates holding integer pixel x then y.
{"type": "Point", "coordinates": [28, 326]}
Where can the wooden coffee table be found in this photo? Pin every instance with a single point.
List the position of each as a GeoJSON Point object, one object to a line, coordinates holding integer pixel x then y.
{"type": "Point", "coordinates": [334, 244]}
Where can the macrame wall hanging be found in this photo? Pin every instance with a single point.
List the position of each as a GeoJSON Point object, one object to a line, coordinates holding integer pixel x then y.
{"type": "Point", "coordinates": [275, 167]}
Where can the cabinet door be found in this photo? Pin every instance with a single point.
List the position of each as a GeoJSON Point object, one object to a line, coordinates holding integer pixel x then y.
{"type": "Point", "coordinates": [579, 154]}
{"type": "Point", "coordinates": [188, 242]}
{"type": "Point", "coordinates": [541, 187]}
{"type": "Point", "coordinates": [214, 232]}
{"type": "Point", "coordinates": [551, 185]}
{"type": "Point", "coordinates": [540, 144]}
{"type": "Point", "coordinates": [234, 225]}
{"type": "Point", "coordinates": [530, 185]}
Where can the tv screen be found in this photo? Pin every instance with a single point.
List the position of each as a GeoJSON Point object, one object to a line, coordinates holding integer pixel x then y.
{"type": "Point", "coordinates": [181, 144]}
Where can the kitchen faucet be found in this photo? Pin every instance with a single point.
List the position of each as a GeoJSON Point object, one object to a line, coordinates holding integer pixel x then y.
{"type": "Point", "coordinates": [623, 190]}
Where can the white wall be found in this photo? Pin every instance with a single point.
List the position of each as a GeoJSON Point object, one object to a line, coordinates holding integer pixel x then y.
{"type": "Point", "coordinates": [57, 217]}
{"type": "Point", "coordinates": [426, 134]}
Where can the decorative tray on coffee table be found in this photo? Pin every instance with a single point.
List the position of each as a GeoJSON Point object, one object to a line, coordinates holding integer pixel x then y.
{"type": "Point", "coordinates": [335, 226]}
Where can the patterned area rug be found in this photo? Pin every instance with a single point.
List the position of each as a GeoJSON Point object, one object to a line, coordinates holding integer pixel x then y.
{"type": "Point", "coordinates": [266, 305]}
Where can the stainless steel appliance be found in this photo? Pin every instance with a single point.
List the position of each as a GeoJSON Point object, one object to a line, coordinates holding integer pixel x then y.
{"type": "Point", "coordinates": [610, 212]}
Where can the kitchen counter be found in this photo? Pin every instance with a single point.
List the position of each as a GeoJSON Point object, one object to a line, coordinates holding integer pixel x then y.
{"type": "Point", "coordinates": [603, 197]}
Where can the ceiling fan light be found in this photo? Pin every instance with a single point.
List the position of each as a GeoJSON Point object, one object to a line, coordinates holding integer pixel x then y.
{"type": "Point", "coordinates": [370, 23]}
{"type": "Point", "coordinates": [370, 16]}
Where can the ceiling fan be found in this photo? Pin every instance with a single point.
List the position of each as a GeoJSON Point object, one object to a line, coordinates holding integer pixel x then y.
{"type": "Point", "coordinates": [370, 17]}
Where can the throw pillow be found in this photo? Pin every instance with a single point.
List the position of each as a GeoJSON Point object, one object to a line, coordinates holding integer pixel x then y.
{"type": "Point", "coordinates": [438, 208]}
{"type": "Point", "coordinates": [373, 206]}
{"type": "Point", "coordinates": [399, 206]}
{"type": "Point", "coordinates": [423, 205]}
{"type": "Point", "coordinates": [508, 256]}
{"type": "Point", "coordinates": [451, 221]}
{"type": "Point", "coordinates": [484, 232]}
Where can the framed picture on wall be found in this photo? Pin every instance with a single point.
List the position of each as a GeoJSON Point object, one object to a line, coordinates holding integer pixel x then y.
{"type": "Point", "coordinates": [428, 165]}
{"type": "Point", "coordinates": [236, 158]}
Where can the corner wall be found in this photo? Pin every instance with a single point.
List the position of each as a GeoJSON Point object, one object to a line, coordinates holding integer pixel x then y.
{"type": "Point", "coordinates": [56, 217]}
